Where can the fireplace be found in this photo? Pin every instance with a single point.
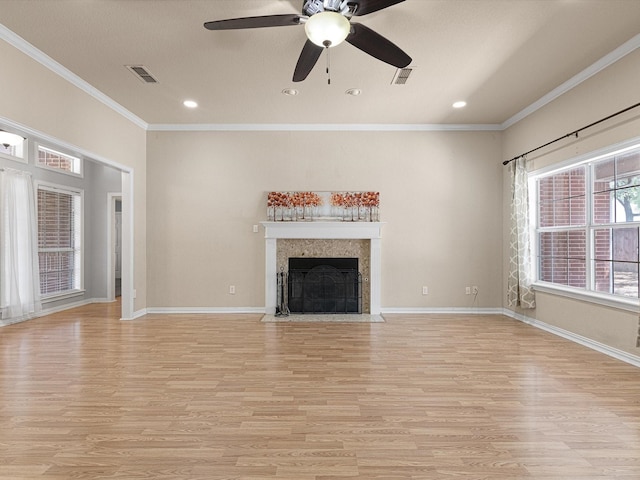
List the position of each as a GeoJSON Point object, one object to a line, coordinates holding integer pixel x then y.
{"type": "Point", "coordinates": [324, 285]}
{"type": "Point", "coordinates": [313, 239]}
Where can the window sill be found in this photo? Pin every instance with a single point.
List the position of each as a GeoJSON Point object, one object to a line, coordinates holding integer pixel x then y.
{"type": "Point", "coordinates": [14, 158]}
{"type": "Point", "coordinates": [60, 170]}
{"type": "Point", "coordinates": [62, 296]}
{"type": "Point", "coordinates": [622, 303]}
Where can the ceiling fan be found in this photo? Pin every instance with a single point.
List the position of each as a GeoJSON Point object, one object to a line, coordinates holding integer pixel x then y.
{"type": "Point", "coordinates": [327, 23]}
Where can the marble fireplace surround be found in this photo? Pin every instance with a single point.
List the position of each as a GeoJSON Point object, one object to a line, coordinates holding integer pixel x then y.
{"type": "Point", "coordinates": [323, 231]}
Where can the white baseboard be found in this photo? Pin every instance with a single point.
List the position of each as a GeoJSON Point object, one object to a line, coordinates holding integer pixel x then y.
{"type": "Point", "coordinates": [574, 337]}
{"type": "Point", "coordinates": [137, 314]}
{"type": "Point", "coordinates": [66, 306]}
{"type": "Point", "coordinates": [442, 310]}
{"type": "Point", "coordinates": [46, 311]}
{"type": "Point", "coordinates": [101, 300]}
{"type": "Point", "coordinates": [13, 321]}
{"type": "Point", "coordinates": [209, 310]}
{"type": "Point", "coordinates": [140, 313]}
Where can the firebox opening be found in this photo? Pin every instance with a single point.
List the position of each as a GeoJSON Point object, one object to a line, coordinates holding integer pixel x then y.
{"type": "Point", "coordinates": [324, 285]}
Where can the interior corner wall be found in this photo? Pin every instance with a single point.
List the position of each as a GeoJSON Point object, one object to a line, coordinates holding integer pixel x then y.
{"type": "Point", "coordinates": [611, 90]}
{"type": "Point", "coordinates": [441, 197]}
{"type": "Point", "coordinates": [102, 180]}
{"type": "Point", "coordinates": [41, 100]}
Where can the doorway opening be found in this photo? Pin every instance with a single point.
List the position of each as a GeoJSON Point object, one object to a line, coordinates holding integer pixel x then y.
{"type": "Point", "coordinates": [114, 249]}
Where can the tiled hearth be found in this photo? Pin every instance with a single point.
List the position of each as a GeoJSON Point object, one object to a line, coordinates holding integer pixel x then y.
{"type": "Point", "coordinates": [324, 239]}
{"type": "Point", "coordinates": [333, 318]}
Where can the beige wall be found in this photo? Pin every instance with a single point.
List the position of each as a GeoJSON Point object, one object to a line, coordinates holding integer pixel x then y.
{"type": "Point", "coordinates": [607, 92]}
{"type": "Point", "coordinates": [37, 98]}
{"type": "Point", "coordinates": [440, 196]}
{"type": "Point", "coordinates": [444, 194]}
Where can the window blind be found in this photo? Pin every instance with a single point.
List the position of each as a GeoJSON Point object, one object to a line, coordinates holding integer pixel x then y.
{"type": "Point", "coordinates": [59, 240]}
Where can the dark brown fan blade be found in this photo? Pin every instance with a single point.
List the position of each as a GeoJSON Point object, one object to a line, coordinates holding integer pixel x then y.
{"type": "Point", "coordinates": [377, 46]}
{"type": "Point", "coordinates": [308, 58]}
{"type": "Point", "coordinates": [255, 22]}
{"type": "Point", "coordinates": [369, 6]}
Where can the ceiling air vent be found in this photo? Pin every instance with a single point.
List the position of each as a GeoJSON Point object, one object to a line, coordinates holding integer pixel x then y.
{"type": "Point", "coordinates": [142, 73]}
{"type": "Point", "coordinates": [402, 75]}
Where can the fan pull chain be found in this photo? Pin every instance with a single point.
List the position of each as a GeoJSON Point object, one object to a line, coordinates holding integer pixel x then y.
{"type": "Point", "coordinates": [328, 66]}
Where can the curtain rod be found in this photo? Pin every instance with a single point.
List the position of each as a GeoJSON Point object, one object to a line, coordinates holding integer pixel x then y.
{"type": "Point", "coordinates": [572, 134]}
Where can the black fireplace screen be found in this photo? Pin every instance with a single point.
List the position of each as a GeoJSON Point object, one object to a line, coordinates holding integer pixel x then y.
{"type": "Point", "coordinates": [324, 285]}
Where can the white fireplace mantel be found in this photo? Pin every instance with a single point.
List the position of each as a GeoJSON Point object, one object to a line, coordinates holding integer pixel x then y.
{"type": "Point", "coordinates": [321, 230]}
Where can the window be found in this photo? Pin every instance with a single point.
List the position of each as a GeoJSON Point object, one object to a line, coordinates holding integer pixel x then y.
{"type": "Point", "coordinates": [13, 146]}
{"type": "Point", "coordinates": [54, 160]}
{"type": "Point", "coordinates": [562, 219]}
{"type": "Point", "coordinates": [588, 224]}
{"type": "Point", "coordinates": [59, 239]}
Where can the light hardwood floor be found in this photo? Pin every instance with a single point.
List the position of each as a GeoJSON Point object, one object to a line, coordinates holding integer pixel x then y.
{"type": "Point", "coordinates": [86, 396]}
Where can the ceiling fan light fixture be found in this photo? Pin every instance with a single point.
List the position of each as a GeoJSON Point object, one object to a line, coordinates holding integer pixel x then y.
{"type": "Point", "coordinates": [327, 29]}
{"type": "Point", "coordinates": [8, 139]}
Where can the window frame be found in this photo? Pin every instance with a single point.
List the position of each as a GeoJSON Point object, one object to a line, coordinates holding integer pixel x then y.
{"type": "Point", "coordinates": [79, 288]}
{"type": "Point", "coordinates": [589, 293]}
{"type": "Point", "coordinates": [36, 151]}
{"type": "Point", "coordinates": [25, 149]}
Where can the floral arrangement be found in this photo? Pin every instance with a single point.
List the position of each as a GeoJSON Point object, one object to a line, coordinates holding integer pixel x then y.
{"type": "Point", "coordinates": [336, 206]}
{"type": "Point", "coordinates": [357, 206]}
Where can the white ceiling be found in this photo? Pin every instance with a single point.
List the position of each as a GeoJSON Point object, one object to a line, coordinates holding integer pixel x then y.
{"type": "Point", "coordinates": [499, 55]}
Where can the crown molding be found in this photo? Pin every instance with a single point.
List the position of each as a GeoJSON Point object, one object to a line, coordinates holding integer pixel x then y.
{"type": "Point", "coordinates": [42, 58]}
{"type": "Point", "coordinates": [606, 61]}
{"type": "Point", "coordinates": [45, 60]}
{"type": "Point", "coordinates": [321, 127]}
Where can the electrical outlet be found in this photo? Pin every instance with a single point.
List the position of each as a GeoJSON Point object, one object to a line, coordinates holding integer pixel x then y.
{"type": "Point", "coordinates": [232, 289]}
{"type": "Point", "coordinates": [474, 289]}
{"type": "Point", "coordinates": [255, 229]}
{"type": "Point", "coordinates": [135, 293]}
{"type": "Point", "coordinates": [467, 290]}
{"type": "Point", "coordinates": [425, 290]}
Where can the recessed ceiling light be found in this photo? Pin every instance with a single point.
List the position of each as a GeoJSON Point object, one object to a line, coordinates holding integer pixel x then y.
{"type": "Point", "coordinates": [460, 104]}
{"type": "Point", "coordinates": [291, 92]}
{"type": "Point", "coordinates": [354, 92]}
{"type": "Point", "coordinates": [190, 103]}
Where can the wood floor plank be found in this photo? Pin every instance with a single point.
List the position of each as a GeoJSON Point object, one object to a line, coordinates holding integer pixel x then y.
{"type": "Point", "coordinates": [85, 395]}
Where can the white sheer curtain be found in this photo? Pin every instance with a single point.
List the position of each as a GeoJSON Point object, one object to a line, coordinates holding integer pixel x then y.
{"type": "Point", "coordinates": [520, 293]}
{"type": "Point", "coordinates": [19, 273]}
